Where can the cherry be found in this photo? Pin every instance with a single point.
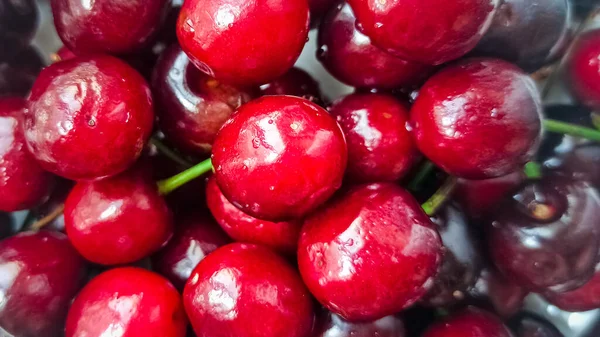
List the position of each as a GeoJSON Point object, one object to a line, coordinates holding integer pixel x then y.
{"type": "Point", "coordinates": [546, 236]}
{"type": "Point", "coordinates": [117, 220]}
{"type": "Point", "coordinates": [487, 102]}
{"type": "Point", "coordinates": [280, 236]}
{"type": "Point", "coordinates": [18, 23]}
{"type": "Point", "coordinates": [192, 106]}
{"type": "Point", "coordinates": [41, 272]}
{"type": "Point", "coordinates": [295, 82]}
{"type": "Point", "coordinates": [582, 163]}
{"type": "Point", "coordinates": [88, 117]}
{"type": "Point", "coordinates": [18, 73]}
{"type": "Point", "coordinates": [584, 298]}
{"type": "Point", "coordinates": [279, 157]}
{"type": "Point", "coordinates": [380, 148]}
{"type": "Point", "coordinates": [332, 325]}
{"type": "Point", "coordinates": [425, 31]}
{"type": "Point", "coordinates": [370, 253]}
{"type": "Point", "coordinates": [246, 290]}
{"type": "Point", "coordinates": [471, 322]}
{"type": "Point", "coordinates": [196, 236]}
{"type": "Point", "coordinates": [89, 27]}
{"type": "Point", "coordinates": [530, 325]}
{"type": "Point", "coordinates": [130, 302]}
{"type": "Point", "coordinates": [350, 56]}
{"type": "Point", "coordinates": [501, 295]}
{"type": "Point", "coordinates": [582, 69]}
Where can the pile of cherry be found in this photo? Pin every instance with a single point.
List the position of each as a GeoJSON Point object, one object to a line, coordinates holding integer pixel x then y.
{"type": "Point", "coordinates": [429, 203]}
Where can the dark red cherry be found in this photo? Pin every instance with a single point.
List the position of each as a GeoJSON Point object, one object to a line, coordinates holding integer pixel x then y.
{"type": "Point", "coordinates": [280, 236]}
{"type": "Point", "coordinates": [243, 43]}
{"type": "Point", "coordinates": [247, 291]}
{"type": "Point", "coordinates": [471, 322]}
{"type": "Point", "coordinates": [478, 119]}
{"type": "Point", "coordinates": [380, 148]}
{"type": "Point", "coordinates": [18, 73]}
{"type": "Point", "coordinates": [332, 325]}
{"type": "Point", "coordinates": [546, 235]}
{"type": "Point", "coordinates": [23, 183]}
{"type": "Point", "coordinates": [90, 27]}
{"type": "Point", "coordinates": [584, 298]}
{"type": "Point", "coordinates": [295, 82]}
{"type": "Point", "coordinates": [582, 163]}
{"type": "Point", "coordinates": [318, 8]}
{"type": "Point", "coordinates": [117, 220]}
{"type": "Point", "coordinates": [350, 56]}
{"type": "Point", "coordinates": [370, 253]}
{"type": "Point", "coordinates": [88, 117]}
{"type": "Point", "coordinates": [425, 31]}
{"type": "Point", "coordinates": [531, 325]}
{"type": "Point", "coordinates": [41, 272]}
{"type": "Point", "coordinates": [192, 106]}
{"type": "Point", "coordinates": [279, 157]}
{"type": "Point", "coordinates": [196, 236]}
{"type": "Point", "coordinates": [130, 302]}
{"type": "Point", "coordinates": [501, 295]}
{"type": "Point", "coordinates": [18, 23]}
{"type": "Point", "coordinates": [583, 69]}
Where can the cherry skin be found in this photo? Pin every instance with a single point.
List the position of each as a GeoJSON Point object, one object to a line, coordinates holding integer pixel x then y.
{"type": "Point", "coordinates": [23, 183]}
{"type": "Point", "coordinates": [280, 236]}
{"type": "Point", "coordinates": [247, 291]}
{"type": "Point", "coordinates": [582, 163]}
{"type": "Point", "coordinates": [332, 325]}
{"type": "Point", "coordinates": [584, 298]}
{"type": "Point", "coordinates": [117, 220]}
{"type": "Point", "coordinates": [501, 295]}
{"type": "Point", "coordinates": [479, 101]}
{"type": "Point", "coordinates": [545, 237]}
{"type": "Point", "coordinates": [88, 117]}
{"type": "Point", "coordinates": [192, 106]}
{"type": "Point", "coordinates": [425, 31]}
{"type": "Point", "coordinates": [350, 56]}
{"type": "Point", "coordinates": [469, 323]}
{"type": "Point", "coordinates": [582, 69]}
{"type": "Point", "coordinates": [130, 302]}
{"type": "Point", "coordinates": [41, 273]}
{"type": "Point", "coordinates": [295, 82]}
{"type": "Point", "coordinates": [86, 27]}
{"type": "Point", "coordinates": [18, 23]}
{"type": "Point", "coordinates": [370, 253]}
{"type": "Point", "coordinates": [18, 73]}
{"type": "Point", "coordinates": [380, 148]}
{"type": "Point", "coordinates": [222, 41]}
{"type": "Point", "coordinates": [530, 325]}
{"type": "Point", "coordinates": [196, 236]}
{"type": "Point", "coordinates": [279, 157]}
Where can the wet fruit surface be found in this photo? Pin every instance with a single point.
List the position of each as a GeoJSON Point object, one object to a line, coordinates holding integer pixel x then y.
{"type": "Point", "coordinates": [583, 70]}
{"type": "Point", "coordinates": [332, 325]}
{"type": "Point", "coordinates": [469, 323]}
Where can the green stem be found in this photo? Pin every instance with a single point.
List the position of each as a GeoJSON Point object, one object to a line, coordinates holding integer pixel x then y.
{"type": "Point", "coordinates": [440, 196]}
{"type": "Point", "coordinates": [426, 168]}
{"type": "Point", "coordinates": [170, 184]}
{"type": "Point", "coordinates": [162, 148]}
{"type": "Point", "coordinates": [555, 126]}
{"type": "Point", "coordinates": [533, 170]}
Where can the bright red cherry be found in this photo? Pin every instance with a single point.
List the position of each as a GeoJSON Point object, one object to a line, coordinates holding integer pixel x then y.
{"type": "Point", "coordinates": [583, 69]}
{"type": "Point", "coordinates": [426, 31]}
{"type": "Point", "coordinates": [247, 291]}
{"type": "Point", "coordinates": [281, 236]}
{"type": "Point", "coordinates": [88, 117]}
{"type": "Point", "coordinates": [241, 42]}
{"type": "Point", "coordinates": [117, 220]}
{"type": "Point", "coordinates": [23, 183]}
{"type": "Point", "coordinates": [279, 157]}
{"type": "Point", "coordinates": [130, 302]}
{"type": "Point", "coordinates": [469, 323]}
{"type": "Point", "coordinates": [478, 119]}
{"type": "Point", "coordinates": [332, 325]}
{"type": "Point", "coordinates": [370, 253]}
{"type": "Point", "coordinates": [380, 148]}
{"type": "Point", "coordinates": [584, 298]}
{"type": "Point", "coordinates": [295, 82]}
{"type": "Point", "coordinates": [41, 272]}
{"type": "Point", "coordinates": [350, 56]}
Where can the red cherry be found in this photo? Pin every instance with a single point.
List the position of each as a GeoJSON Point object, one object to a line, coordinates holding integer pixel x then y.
{"type": "Point", "coordinates": [499, 294]}
{"type": "Point", "coordinates": [279, 157]}
{"type": "Point", "coordinates": [130, 302]}
{"type": "Point", "coordinates": [117, 220]}
{"type": "Point", "coordinates": [247, 291]}
{"type": "Point", "coordinates": [425, 31]}
{"type": "Point", "coordinates": [88, 117]}
{"type": "Point", "coordinates": [380, 148]}
{"type": "Point", "coordinates": [295, 82]}
{"type": "Point", "coordinates": [478, 119]}
{"type": "Point", "coordinates": [370, 253]}
{"type": "Point", "coordinates": [23, 183]}
{"type": "Point", "coordinates": [469, 323]}
{"type": "Point", "coordinates": [243, 43]}
{"type": "Point", "coordinates": [280, 236]}
{"type": "Point", "coordinates": [583, 70]}
{"type": "Point", "coordinates": [584, 298]}
{"type": "Point", "coordinates": [332, 325]}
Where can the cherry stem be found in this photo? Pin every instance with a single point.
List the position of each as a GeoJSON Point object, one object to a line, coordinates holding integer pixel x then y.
{"type": "Point", "coordinates": [162, 148]}
{"type": "Point", "coordinates": [555, 126]}
{"type": "Point", "coordinates": [533, 170]}
{"type": "Point", "coordinates": [170, 184]}
{"type": "Point", "coordinates": [426, 168]}
{"type": "Point", "coordinates": [48, 218]}
{"type": "Point", "coordinates": [433, 204]}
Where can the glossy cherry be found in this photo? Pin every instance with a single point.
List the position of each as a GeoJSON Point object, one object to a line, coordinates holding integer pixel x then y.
{"type": "Point", "coordinates": [247, 291]}
{"type": "Point", "coordinates": [88, 117]}
{"type": "Point", "coordinates": [530, 325]}
{"type": "Point", "coordinates": [380, 148]}
{"type": "Point", "coordinates": [41, 272]}
{"type": "Point", "coordinates": [546, 235]}
{"type": "Point", "coordinates": [196, 236]}
{"type": "Point", "coordinates": [130, 302]}
{"type": "Point", "coordinates": [487, 102]}
{"type": "Point", "coordinates": [583, 70]}
{"type": "Point", "coordinates": [281, 236]}
{"type": "Point", "coordinates": [18, 73]}
{"type": "Point", "coordinates": [279, 157]}
{"type": "Point", "coordinates": [295, 82]}
{"type": "Point", "coordinates": [584, 298]}
{"type": "Point", "coordinates": [471, 322]}
{"type": "Point", "coordinates": [332, 325]}
{"type": "Point", "coordinates": [192, 106]}
{"type": "Point", "coordinates": [117, 220]}
{"type": "Point", "coordinates": [582, 163]}
{"type": "Point", "coordinates": [425, 31]}
{"type": "Point", "coordinates": [350, 56]}
{"type": "Point", "coordinates": [18, 23]}
{"type": "Point", "coordinates": [370, 253]}
{"type": "Point", "coordinates": [494, 291]}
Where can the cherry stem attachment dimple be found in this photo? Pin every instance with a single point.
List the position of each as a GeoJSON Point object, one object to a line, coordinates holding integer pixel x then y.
{"type": "Point", "coordinates": [168, 185]}
{"type": "Point", "coordinates": [555, 126]}
{"type": "Point", "coordinates": [433, 204]}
